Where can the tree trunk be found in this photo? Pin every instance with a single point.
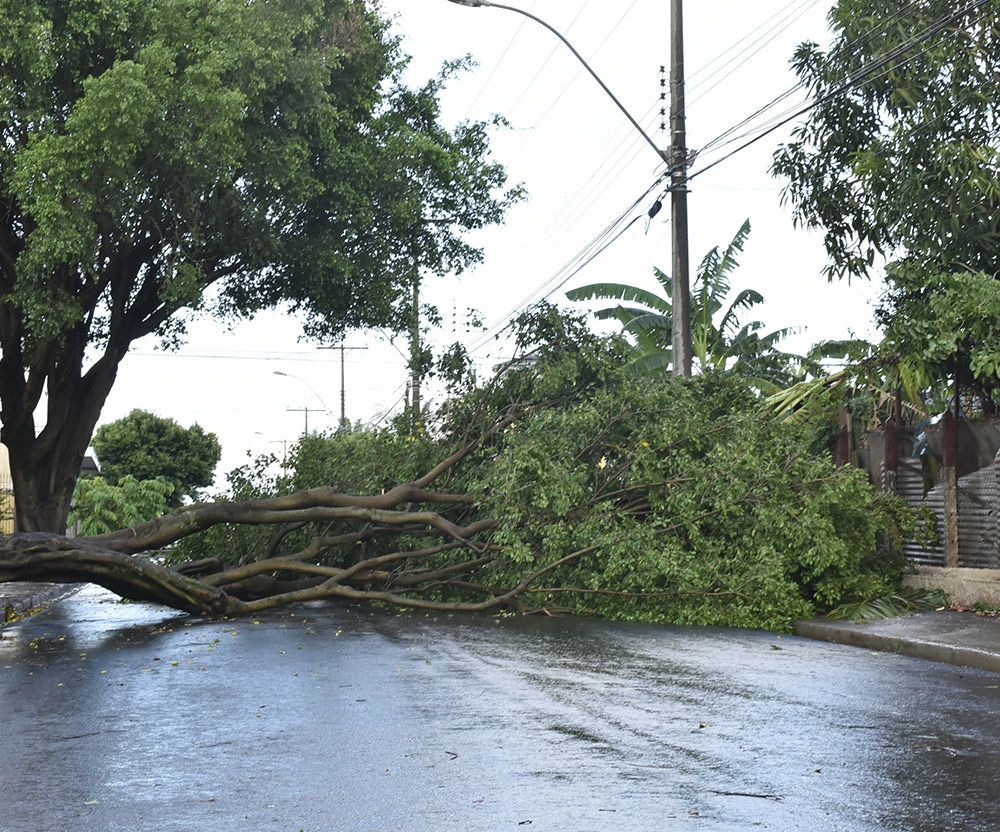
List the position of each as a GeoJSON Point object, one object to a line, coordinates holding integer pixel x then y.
{"type": "Point", "coordinates": [38, 506]}
{"type": "Point", "coordinates": [44, 468]}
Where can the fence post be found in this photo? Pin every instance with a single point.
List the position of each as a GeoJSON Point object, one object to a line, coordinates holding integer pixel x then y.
{"type": "Point", "coordinates": [950, 460]}
{"type": "Point", "coordinates": [844, 442]}
{"type": "Point", "coordinates": [890, 462]}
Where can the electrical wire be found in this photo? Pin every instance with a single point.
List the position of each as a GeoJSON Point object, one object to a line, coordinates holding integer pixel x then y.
{"type": "Point", "coordinates": [731, 47]}
{"type": "Point", "coordinates": [591, 189]}
{"type": "Point", "coordinates": [607, 236]}
{"type": "Point", "coordinates": [576, 75]}
{"type": "Point", "coordinates": [378, 420]}
{"type": "Point", "coordinates": [500, 60]}
{"type": "Point", "coordinates": [545, 63]}
{"type": "Point", "coordinates": [800, 85]}
{"type": "Point", "coordinates": [774, 32]}
{"type": "Point", "coordinates": [862, 76]}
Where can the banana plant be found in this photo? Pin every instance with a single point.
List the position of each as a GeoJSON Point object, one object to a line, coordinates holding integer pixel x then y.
{"type": "Point", "coordinates": [720, 340]}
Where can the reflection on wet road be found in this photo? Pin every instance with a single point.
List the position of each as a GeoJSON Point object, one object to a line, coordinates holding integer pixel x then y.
{"type": "Point", "coordinates": [123, 717]}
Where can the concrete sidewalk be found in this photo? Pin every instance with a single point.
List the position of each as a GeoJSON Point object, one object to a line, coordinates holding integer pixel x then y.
{"type": "Point", "coordinates": [961, 638]}
{"type": "Point", "coordinates": [18, 598]}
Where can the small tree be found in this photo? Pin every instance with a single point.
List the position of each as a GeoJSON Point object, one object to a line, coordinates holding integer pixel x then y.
{"type": "Point", "coordinates": [145, 446]}
{"type": "Point", "coordinates": [100, 507]}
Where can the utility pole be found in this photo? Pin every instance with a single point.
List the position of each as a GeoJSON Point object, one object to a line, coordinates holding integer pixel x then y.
{"type": "Point", "coordinates": [680, 271]}
{"type": "Point", "coordinates": [415, 355]}
{"type": "Point", "coordinates": [344, 424]}
{"type": "Point", "coordinates": [302, 410]}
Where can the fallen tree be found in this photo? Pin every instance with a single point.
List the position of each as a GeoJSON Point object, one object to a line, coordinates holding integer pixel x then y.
{"type": "Point", "coordinates": [563, 485]}
{"type": "Point", "coordinates": [117, 562]}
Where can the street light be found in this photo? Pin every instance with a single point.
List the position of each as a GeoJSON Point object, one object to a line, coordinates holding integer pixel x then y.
{"type": "Point", "coordinates": [326, 408]}
{"type": "Point", "coordinates": [663, 154]}
{"type": "Point", "coordinates": [681, 339]}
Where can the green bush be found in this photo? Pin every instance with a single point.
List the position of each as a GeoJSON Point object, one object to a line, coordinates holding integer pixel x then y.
{"type": "Point", "coordinates": [100, 507]}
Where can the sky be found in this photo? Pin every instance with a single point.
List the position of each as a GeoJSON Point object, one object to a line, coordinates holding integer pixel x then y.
{"type": "Point", "coordinates": [582, 164]}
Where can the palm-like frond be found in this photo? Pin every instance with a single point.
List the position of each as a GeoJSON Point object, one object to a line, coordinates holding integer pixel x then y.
{"type": "Point", "coordinates": [622, 314]}
{"type": "Point", "coordinates": [652, 362]}
{"type": "Point", "coordinates": [904, 602]}
{"type": "Point", "coordinates": [620, 291]}
{"type": "Point", "coordinates": [745, 300]}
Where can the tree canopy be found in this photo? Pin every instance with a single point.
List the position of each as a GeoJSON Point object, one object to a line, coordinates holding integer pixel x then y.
{"type": "Point", "coordinates": [905, 164]}
{"type": "Point", "coordinates": [147, 447]}
{"type": "Point", "coordinates": [904, 168]}
{"type": "Point", "coordinates": [167, 155]}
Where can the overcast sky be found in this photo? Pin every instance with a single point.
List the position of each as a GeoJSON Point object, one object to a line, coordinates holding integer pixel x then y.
{"type": "Point", "coordinates": [582, 165]}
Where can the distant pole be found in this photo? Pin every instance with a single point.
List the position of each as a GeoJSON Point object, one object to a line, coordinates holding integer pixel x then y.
{"type": "Point", "coordinates": [304, 410]}
{"type": "Point", "coordinates": [680, 273]}
{"type": "Point", "coordinates": [344, 424]}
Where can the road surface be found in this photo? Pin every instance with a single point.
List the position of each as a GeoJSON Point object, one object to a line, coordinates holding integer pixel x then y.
{"type": "Point", "coordinates": [125, 717]}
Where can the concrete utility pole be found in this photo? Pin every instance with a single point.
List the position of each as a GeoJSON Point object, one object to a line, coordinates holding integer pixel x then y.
{"type": "Point", "coordinates": [302, 410]}
{"type": "Point", "coordinates": [415, 355]}
{"type": "Point", "coordinates": [680, 269]}
{"type": "Point", "coordinates": [344, 424]}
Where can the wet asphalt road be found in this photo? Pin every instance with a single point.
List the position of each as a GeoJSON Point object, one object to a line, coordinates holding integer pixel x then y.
{"type": "Point", "coordinates": [123, 717]}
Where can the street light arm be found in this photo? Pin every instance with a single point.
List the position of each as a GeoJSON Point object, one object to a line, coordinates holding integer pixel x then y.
{"type": "Point", "coordinates": [664, 155]}
{"type": "Point", "coordinates": [326, 408]}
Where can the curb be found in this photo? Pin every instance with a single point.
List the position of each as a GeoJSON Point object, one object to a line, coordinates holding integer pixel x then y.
{"type": "Point", "coordinates": [19, 600]}
{"type": "Point", "coordinates": [853, 635]}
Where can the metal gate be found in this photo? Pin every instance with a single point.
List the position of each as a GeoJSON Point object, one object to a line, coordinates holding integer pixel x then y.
{"type": "Point", "coordinates": [6, 505]}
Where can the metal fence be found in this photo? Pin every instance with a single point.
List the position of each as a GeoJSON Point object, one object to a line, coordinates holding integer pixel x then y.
{"type": "Point", "coordinates": [978, 514]}
{"type": "Point", "coordinates": [6, 505]}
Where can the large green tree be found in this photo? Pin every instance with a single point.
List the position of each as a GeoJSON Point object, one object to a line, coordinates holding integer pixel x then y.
{"type": "Point", "coordinates": [163, 155]}
{"type": "Point", "coordinates": [147, 447]}
{"type": "Point", "coordinates": [904, 168]}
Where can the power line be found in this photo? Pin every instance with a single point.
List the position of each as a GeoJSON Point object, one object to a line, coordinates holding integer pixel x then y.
{"type": "Point", "coordinates": [573, 80]}
{"type": "Point", "coordinates": [773, 32]}
{"type": "Point", "coordinates": [856, 79]}
{"type": "Point", "coordinates": [579, 260]}
{"type": "Point", "coordinates": [591, 190]}
{"type": "Point", "coordinates": [799, 85]}
{"type": "Point", "coordinates": [731, 47]}
{"type": "Point", "coordinates": [576, 206]}
{"type": "Point", "coordinates": [548, 58]}
{"type": "Point", "coordinates": [500, 60]}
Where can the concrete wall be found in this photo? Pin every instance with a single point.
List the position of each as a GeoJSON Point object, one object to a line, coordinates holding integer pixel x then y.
{"type": "Point", "coordinates": [964, 587]}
